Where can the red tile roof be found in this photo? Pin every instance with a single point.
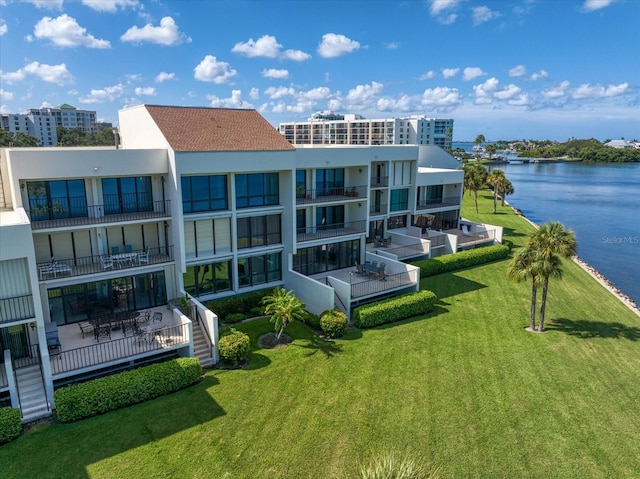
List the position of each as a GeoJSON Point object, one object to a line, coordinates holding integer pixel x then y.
{"type": "Point", "coordinates": [216, 129]}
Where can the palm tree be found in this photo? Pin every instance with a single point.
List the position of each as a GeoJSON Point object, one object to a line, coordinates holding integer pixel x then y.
{"type": "Point", "coordinates": [551, 242]}
{"type": "Point", "coordinates": [478, 141]}
{"type": "Point", "coordinates": [494, 178]}
{"type": "Point", "coordinates": [490, 150]}
{"type": "Point", "coordinates": [524, 267]}
{"type": "Point", "coordinates": [284, 307]}
{"type": "Point", "coordinates": [505, 188]}
{"type": "Point", "coordinates": [475, 177]}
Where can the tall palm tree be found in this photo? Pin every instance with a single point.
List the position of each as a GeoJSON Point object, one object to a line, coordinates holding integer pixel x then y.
{"type": "Point", "coordinates": [523, 267]}
{"type": "Point", "coordinates": [552, 242]}
{"type": "Point", "coordinates": [284, 307]}
{"type": "Point", "coordinates": [490, 150]}
{"type": "Point", "coordinates": [475, 177]}
{"type": "Point", "coordinates": [505, 188]}
{"type": "Point", "coordinates": [494, 178]}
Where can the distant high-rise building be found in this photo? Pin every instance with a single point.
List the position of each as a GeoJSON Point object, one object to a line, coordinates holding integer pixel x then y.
{"type": "Point", "coordinates": [330, 128]}
{"type": "Point", "coordinates": [42, 122]}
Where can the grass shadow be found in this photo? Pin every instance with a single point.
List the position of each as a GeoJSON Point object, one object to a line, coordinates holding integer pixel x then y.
{"type": "Point", "coordinates": [449, 284]}
{"type": "Point", "coordinates": [586, 329]}
{"type": "Point", "coordinates": [316, 345]}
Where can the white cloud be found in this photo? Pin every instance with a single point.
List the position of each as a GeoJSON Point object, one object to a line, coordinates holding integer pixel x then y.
{"type": "Point", "coordinates": [274, 93]}
{"type": "Point", "coordinates": [163, 76]}
{"type": "Point", "coordinates": [5, 110]}
{"type": "Point", "coordinates": [57, 74]}
{"type": "Point", "coordinates": [273, 73]}
{"type": "Point", "coordinates": [145, 91]}
{"type": "Point", "coordinates": [6, 95]}
{"type": "Point", "coordinates": [441, 10]}
{"type": "Point", "coordinates": [484, 91]}
{"type": "Point", "coordinates": [267, 46]}
{"type": "Point", "coordinates": [450, 72]}
{"type": "Point", "coordinates": [428, 75]}
{"type": "Point", "coordinates": [592, 5]}
{"type": "Point", "coordinates": [254, 93]}
{"type": "Point", "coordinates": [540, 74]}
{"type": "Point", "coordinates": [363, 94]}
{"type": "Point", "coordinates": [234, 101]}
{"type": "Point", "coordinates": [64, 31]}
{"type": "Point", "coordinates": [133, 76]}
{"type": "Point", "coordinates": [103, 95]}
{"type": "Point", "coordinates": [211, 70]}
{"type": "Point", "coordinates": [441, 97]}
{"type": "Point", "coordinates": [588, 91]}
{"type": "Point", "coordinates": [556, 91]}
{"type": "Point", "coordinates": [167, 33]}
{"type": "Point", "coordinates": [3, 27]}
{"type": "Point", "coordinates": [403, 103]}
{"type": "Point", "coordinates": [49, 4]}
{"type": "Point", "coordinates": [393, 45]}
{"type": "Point", "coordinates": [320, 93]}
{"type": "Point", "coordinates": [110, 6]}
{"type": "Point", "coordinates": [518, 71]}
{"type": "Point", "coordinates": [471, 73]}
{"type": "Point", "coordinates": [334, 45]}
{"type": "Point", "coordinates": [483, 14]}
{"type": "Point", "coordinates": [520, 100]}
{"type": "Point", "coordinates": [507, 92]}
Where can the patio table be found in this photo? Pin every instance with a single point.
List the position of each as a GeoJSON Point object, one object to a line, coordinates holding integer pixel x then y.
{"type": "Point", "coordinates": [124, 258]}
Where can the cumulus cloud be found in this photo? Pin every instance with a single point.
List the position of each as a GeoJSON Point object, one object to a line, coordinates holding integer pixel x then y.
{"type": "Point", "coordinates": [484, 91]}
{"type": "Point", "coordinates": [588, 91]}
{"type": "Point", "coordinates": [393, 45]}
{"type": "Point", "coordinates": [443, 10]}
{"type": "Point", "coordinates": [470, 73]}
{"type": "Point", "coordinates": [103, 95]}
{"type": "Point", "coordinates": [64, 31]}
{"type": "Point", "coordinates": [450, 72]}
{"type": "Point", "coordinates": [490, 90]}
{"type": "Point", "coordinates": [556, 91]}
{"type": "Point", "coordinates": [267, 46]}
{"type": "Point", "coordinates": [483, 14]}
{"type": "Point", "coordinates": [49, 4]}
{"type": "Point", "coordinates": [167, 33]}
{"type": "Point", "coordinates": [273, 73]}
{"type": "Point", "coordinates": [234, 101]}
{"type": "Point", "coordinates": [427, 75]}
{"type": "Point", "coordinates": [441, 97]}
{"type": "Point", "coordinates": [402, 103]}
{"type": "Point", "coordinates": [164, 76]}
{"type": "Point", "coordinates": [145, 91]}
{"type": "Point", "coordinates": [57, 74]}
{"type": "Point", "coordinates": [275, 93]}
{"type": "Point", "coordinates": [6, 95]}
{"type": "Point", "coordinates": [518, 71]}
{"type": "Point", "coordinates": [110, 6]}
{"type": "Point", "coordinates": [592, 5]}
{"type": "Point", "coordinates": [540, 74]}
{"type": "Point", "coordinates": [211, 70]}
{"type": "Point", "coordinates": [254, 93]}
{"type": "Point", "coordinates": [508, 92]}
{"type": "Point", "coordinates": [363, 94]}
{"type": "Point", "coordinates": [3, 27]}
{"type": "Point", "coordinates": [334, 45]}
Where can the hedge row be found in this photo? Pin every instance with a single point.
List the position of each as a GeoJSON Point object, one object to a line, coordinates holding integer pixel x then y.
{"type": "Point", "coordinates": [461, 260]}
{"type": "Point", "coordinates": [239, 306]}
{"type": "Point", "coordinates": [394, 309]}
{"type": "Point", "coordinates": [10, 424]}
{"type": "Point", "coordinates": [98, 396]}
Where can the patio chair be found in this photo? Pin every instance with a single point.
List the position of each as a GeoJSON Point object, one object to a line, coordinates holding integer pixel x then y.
{"type": "Point", "coordinates": [144, 317]}
{"type": "Point", "coordinates": [383, 266]}
{"type": "Point", "coordinates": [115, 250]}
{"type": "Point", "coordinates": [360, 269]}
{"type": "Point", "coordinates": [157, 317]}
{"type": "Point", "coordinates": [85, 327]}
{"type": "Point", "coordinates": [374, 264]}
{"type": "Point", "coordinates": [103, 331]}
{"type": "Point", "coordinates": [465, 230]}
{"type": "Point", "coordinates": [144, 257]}
{"type": "Point", "coordinates": [382, 275]}
{"type": "Point", "coordinates": [139, 335]}
{"type": "Point", "coordinates": [128, 248]}
{"type": "Point", "coordinates": [107, 262]}
{"type": "Point", "coordinates": [387, 242]}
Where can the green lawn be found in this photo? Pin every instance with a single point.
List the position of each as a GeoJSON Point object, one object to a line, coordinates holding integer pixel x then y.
{"type": "Point", "coordinates": [465, 388]}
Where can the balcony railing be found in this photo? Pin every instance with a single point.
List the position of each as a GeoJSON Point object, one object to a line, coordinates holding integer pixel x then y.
{"type": "Point", "coordinates": [438, 203]}
{"type": "Point", "coordinates": [84, 265]}
{"type": "Point", "coordinates": [57, 215]}
{"type": "Point", "coordinates": [379, 181]}
{"type": "Point", "coordinates": [339, 193]}
{"type": "Point", "coordinates": [172, 337]}
{"type": "Point", "coordinates": [17, 308]}
{"type": "Point", "coordinates": [377, 285]}
{"type": "Point", "coordinates": [378, 209]}
{"type": "Point", "coordinates": [330, 231]}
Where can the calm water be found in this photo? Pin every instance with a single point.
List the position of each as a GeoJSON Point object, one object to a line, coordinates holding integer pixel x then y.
{"type": "Point", "coordinates": [600, 203]}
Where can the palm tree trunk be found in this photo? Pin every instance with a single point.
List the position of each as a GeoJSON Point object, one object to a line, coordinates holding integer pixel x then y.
{"type": "Point", "coordinates": [543, 304]}
{"type": "Point", "coordinates": [495, 199]}
{"type": "Point", "coordinates": [502, 195]}
{"type": "Point", "coordinates": [476, 197]}
{"type": "Point", "coordinates": [532, 309]}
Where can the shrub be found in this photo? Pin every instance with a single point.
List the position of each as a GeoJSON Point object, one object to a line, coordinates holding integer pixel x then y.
{"type": "Point", "coordinates": [461, 260]}
{"type": "Point", "coordinates": [390, 467]}
{"type": "Point", "coordinates": [98, 396]}
{"type": "Point", "coordinates": [334, 323]}
{"type": "Point", "coordinates": [312, 320]}
{"type": "Point", "coordinates": [394, 309]}
{"type": "Point", "coordinates": [234, 347]}
{"type": "Point", "coordinates": [10, 424]}
{"type": "Point", "coordinates": [241, 303]}
{"type": "Point", "coordinates": [257, 311]}
{"type": "Point", "coordinates": [235, 317]}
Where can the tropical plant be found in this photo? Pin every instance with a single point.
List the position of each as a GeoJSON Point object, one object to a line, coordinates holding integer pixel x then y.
{"type": "Point", "coordinates": [523, 267]}
{"type": "Point", "coordinates": [490, 150]}
{"type": "Point", "coordinates": [493, 179]}
{"type": "Point", "coordinates": [391, 467]}
{"type": "Point", "coordinates": [284, 307]}
{"type": "Point", "coordinates": [475, 177]}
{"type": "Point", "coordinates": [505, 188]}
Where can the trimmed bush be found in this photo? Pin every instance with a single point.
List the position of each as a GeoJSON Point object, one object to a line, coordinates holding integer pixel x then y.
{"type": "Point", "coordinates": [461, 260]}
{"type": "Point", "coordinates": [10, 424]}
{"type": "Point", "coordinates": [334, 323]}
{"type": "Point", "coordinates": [98, 396]}
{"type": "Point", "coordinates": [241, 303]}
{"type": "Point", "coordinates": [234, 347]}
{"type": "Point", "coordinates": [235, 317]}
{"type": "Point", "coordinates": [394, 309]}
{"type": "Point", "coordinates": [257, 311]}
{"type": "Point", "coordinates": [312, 320]}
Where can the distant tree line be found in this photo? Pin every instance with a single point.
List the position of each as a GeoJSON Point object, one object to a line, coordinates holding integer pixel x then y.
{"type": "Point", "coordinates": [66, 137]}
{"type": "Point", "coordinates": [589, 151]}
{"type": "Point", "coordinates": [18, 139]}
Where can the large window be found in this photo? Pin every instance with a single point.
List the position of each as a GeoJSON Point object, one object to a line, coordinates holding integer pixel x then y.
{"type": "Point", "coordinates": [256, 231]}
{"type": "Point", "coordinates": [51, 200]}
{"type": "Point", "coordinates": [330, 181]}
{"type": "Point", "coordinates": [259, 270]}
{"type": "Point", "coordinates": [210, 278]}
{"type": "Point", "coordinates": [401, 173]}
{"type": "Point", "coordinates": [207, 237]}
{"type": "Point", "coordinates": [395, 222]}
{"type": "Point", "coordinates": [301, 183]}
{"type": "Point", "coordinates": [257, 189]}
{"type": "Point", "coordinates": [127, 195]}
{"type": "Point", "coordinates": [204, 193]}
{"type": "Point", "coordinates": [326, 257]}
{"type": "Point", "coordinates": [329, 216]}
{"type": "Point", "coordinates": [399, 200]}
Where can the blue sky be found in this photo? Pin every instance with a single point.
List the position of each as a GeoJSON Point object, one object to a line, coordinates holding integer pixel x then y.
{"type": "Point", "coordinates": [531, 69]}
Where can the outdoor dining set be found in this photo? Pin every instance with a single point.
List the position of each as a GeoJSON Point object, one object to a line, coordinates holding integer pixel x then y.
{"type": "Point", "coordinates": [124, 321]}
{"type": "Point", "coordinates": [124, 257]}
{"type": "Point", "coordinates": [372, 269]}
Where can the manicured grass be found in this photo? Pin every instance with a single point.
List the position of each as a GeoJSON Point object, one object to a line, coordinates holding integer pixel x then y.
{"type": "Point", "coordinates": [465, 388]}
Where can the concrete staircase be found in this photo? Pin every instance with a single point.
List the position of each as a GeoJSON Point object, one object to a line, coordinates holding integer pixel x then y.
{"type": "Point", "coordinates": [33, 398]}
{"type": "Point", "coordinates": [201, 348]}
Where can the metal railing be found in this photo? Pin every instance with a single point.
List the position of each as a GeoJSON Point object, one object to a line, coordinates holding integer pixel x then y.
{"type": "Point", "coordinates": [438, 203]}
{"type": "Point", "coordinates": [338, 193]}
{"type": "Point", "coordinates": [379, 181]}
{"type": "Point", "coordinates": [84, 265]}
{"type": "Point", "coordinates": [17, 308]}
{"type": "Point", "coordinates": [378, 285]}
{"type": "Point", "coordinates": [57, 215]}
{"type": "Point", "coordinates": [378, 209]}
{"type": "Point", "coordinates": [109, 351]}
{"type": "Point", "coordinates": [330, 231]}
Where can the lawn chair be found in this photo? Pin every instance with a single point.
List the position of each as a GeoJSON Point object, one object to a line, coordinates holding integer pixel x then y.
{"type": "Point", "coordinates": [144, 257]}
{"type": "Point", "coordinates": [107, 262]}
{"type": "Point", "coordinates": [382, 275]}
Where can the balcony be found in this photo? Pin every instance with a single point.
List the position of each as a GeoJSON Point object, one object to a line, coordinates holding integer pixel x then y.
{"type": "Point", "coordinates": [375, 210]}
{"type": "Point", "coordinates": [16, 308]}
{"type": "Point", "coordinates": [81, 266]}
{"type": "Point", "coordinates": [341, 193]}
{"type": "Point", "coordinates": [432, 204]}
{"type": "Point", "coordinates": [379, 181]}
{"type": "Point", "coordinates": [75, 213]}
{"type": "Point", "coordinates": [330, 231]}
